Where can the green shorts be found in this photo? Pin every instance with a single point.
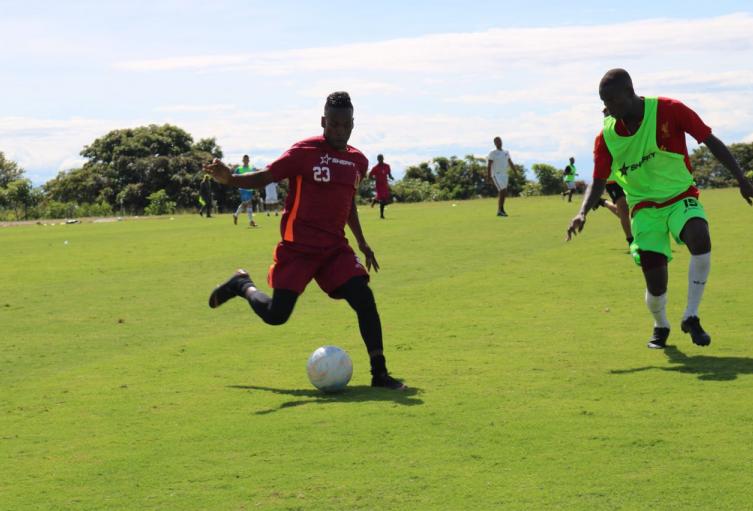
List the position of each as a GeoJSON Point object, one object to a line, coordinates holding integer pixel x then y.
{"type": "Point", "coordinates": [652, 226]}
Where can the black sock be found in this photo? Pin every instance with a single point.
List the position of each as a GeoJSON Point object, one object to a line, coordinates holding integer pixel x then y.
{"type": "Point", "coordinates": [378, 365]}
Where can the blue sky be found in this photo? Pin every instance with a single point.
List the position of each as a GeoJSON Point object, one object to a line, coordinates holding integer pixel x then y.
{"type": "Point", "coordinates": [427, 78]}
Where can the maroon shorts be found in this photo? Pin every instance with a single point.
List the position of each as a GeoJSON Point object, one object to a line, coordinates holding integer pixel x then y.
{"type": "Point", "coordinates": [295, 265]}
{"type": "Point", "coordinates": [382, 194]}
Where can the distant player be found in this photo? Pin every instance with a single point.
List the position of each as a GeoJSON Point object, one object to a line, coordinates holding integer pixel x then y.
{"type": "Point", "coordinates": [205, 197]}
{"type": "Point", "coordinates": [642, 147]}
{"type": "Point", "coordinates": [323, 174]}
{"type": "Point", "coordinates": [380, 174]}
{"type": "Point", "coordinates": [569, 174]}
{"type": "Point", "coordinates": [271, 198]}
{"type": "Point", "coordinates": [497, 171]}
{"type": "Point", "coordinates": [247, 196]}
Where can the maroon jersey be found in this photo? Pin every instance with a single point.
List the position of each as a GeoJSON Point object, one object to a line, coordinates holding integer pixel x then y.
{"type": "Point", "coordinates": [322, 183]}
{"type": "Point", "coordinates": [380, 173]}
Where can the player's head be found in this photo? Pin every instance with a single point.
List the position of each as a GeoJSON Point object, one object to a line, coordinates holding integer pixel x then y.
{"type": "Point", "coordinates": [337, 120]}
{"type": "Point", "coordinates": [616, 91]}
{"type": "Point", "coordinates": [572, 159]}
{"type": "Point", "coordinates": [498, 142]}
{"type": "Point", "coordinates": [245, 160]}
{"type": "Point", "coordinates": [380, 158]}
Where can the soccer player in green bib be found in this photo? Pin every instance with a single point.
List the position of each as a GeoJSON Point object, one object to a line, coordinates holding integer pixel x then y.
{"type": "Point", "coordinates": [642, 148]}
{"type": "Point", "coordinates": [569, 173]}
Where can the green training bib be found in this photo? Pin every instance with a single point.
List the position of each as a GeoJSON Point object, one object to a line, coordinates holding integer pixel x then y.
{"type": "Point", "coordinates": [572, 174]}
{"type": "Point", "coordinates": [644, 171]}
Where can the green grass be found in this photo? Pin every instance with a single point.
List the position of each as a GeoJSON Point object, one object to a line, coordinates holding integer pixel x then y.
{"type": "Point", "coordinates": [120, 389]}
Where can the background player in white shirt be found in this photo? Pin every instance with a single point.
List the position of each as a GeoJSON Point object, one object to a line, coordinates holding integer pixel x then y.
{"type": "Point", "coordinates": [271, 198]}
{"type": "Point", "coordinates": [498, 167]}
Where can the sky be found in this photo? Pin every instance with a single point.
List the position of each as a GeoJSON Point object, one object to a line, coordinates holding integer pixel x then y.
{"type": "Point", "coordinates": [427, 78]}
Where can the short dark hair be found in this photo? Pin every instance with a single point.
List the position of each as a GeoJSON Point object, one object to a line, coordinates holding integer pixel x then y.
{"type": "Point", "coordinates": [616, 77]}
{"type": "Point", "coordinates": [339, 99]}
{"type": "Point", "coordinates": [245, 156]}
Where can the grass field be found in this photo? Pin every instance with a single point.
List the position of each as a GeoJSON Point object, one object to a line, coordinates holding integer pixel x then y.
{"type": "Point", "coordinates": [532, 386]}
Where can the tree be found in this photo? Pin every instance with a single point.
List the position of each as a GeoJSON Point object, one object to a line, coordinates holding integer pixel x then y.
{"type": "Point", "coordinates": [549, 178]}
{"type": "Point", "coordinates": [126, 166]}
{"type": "Point", "coordinates": [422, 172]}
{"type": "Point", "coordinates": [709, 173]}
{"type": "Point", "coordinates": [9, 171]}
{"type": "Point", "coordinates": [18, 195]}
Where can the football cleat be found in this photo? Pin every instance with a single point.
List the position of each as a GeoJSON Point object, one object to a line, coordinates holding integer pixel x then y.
{"type": "Point", "coordinates": [232, 287]}
{"type": "Point", "coordinates": [658, 340]}
{"type": "Point", "coordinates": [388, 382]}
{"type": "Point", "coordinates": [692, 326]}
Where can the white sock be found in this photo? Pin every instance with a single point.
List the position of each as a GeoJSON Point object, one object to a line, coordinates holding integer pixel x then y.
{"type": "Point", "coordinates": [698, 274]}
{"type": "Point", "coordinates": [250, 212]}
{"type": "Point", "coordinates": [657, 306]}
{"type": "Point", "coordinates": [238, 211]}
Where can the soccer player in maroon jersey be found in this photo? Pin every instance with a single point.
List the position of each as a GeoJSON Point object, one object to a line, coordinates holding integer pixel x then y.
{"type": "Point", "coordinates": [380, 174]}
{"type": "Point", "coordinates": [323, 173]}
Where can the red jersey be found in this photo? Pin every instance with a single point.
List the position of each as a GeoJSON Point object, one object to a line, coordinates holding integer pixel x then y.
{"type": "Point", "coordinates": [673, 120]}
{"type": "Point", "coordinates": [322, 183]}
{"type": "Point", "coordinates": [380, 173]}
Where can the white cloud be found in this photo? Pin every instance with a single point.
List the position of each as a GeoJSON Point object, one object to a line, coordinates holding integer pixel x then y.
{"type": "Point", "coordinates": [431, 95]}
{"type": "Point", "coordinates": [510, 47]}
{"type": "Point", "coordinates": [197, 108]}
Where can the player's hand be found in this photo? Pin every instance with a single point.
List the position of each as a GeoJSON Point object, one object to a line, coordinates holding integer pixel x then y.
{"type": "Point", "coordinates": [576, 225]}
{"type": "Point", "coordinates": [368, 254]}
{"type": "Point", "coordinates": [218, 170]}
{"type": "Point", "coordinates": [746, 190]}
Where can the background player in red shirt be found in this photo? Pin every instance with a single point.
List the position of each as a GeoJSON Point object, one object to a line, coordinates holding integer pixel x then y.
{"type": "Point", "coordinates": [380, 174]}
{"type": "Point", "coordinates": [323, 174]}
{"type": "Point", "coordinates": [655, 218]}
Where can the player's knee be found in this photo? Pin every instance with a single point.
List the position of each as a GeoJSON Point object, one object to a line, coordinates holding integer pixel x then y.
{"type": "Point", "coordinates": [362, 299]}
{"type": "Point", "coordinates": [652, 260]}
{"type": "Point", "coordinates": [696, 236]}
{"type": "Point", "coordinates": [277, 317]}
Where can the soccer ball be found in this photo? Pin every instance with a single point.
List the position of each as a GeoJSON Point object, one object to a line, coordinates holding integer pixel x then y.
{"type": "Point", "coordinates": [329, 368]}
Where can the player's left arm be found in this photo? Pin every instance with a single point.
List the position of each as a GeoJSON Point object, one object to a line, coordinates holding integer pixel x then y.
{"type": "Point", "coordinates": [389, 173]}
{"type": "Point", "coordinates": [690, 122]}
{"type": "Point", "coordinates": [725, 157]}
{"type": "Point", "coordinates": [355, 226]}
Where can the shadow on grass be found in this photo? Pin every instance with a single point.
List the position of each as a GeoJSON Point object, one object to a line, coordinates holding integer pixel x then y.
{"type": "Point", "coordinates": [706, 367]}
{"type": "Point", "coordinates": [351, 394]}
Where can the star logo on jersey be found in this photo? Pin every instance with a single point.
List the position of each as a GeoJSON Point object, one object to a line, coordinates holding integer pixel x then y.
{"type": "Point", "coordinates": [325, 159]}
{"type": "Point", "coordinates": [665, 130]}
{"type": "Point", "coordinates": [624, 170]}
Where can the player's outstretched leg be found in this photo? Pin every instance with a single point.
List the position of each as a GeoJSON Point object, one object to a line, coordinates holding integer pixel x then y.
{"type": "Point", "coordinates": [359, 296]}
{"type": "Point", "coordinates": [232, 287]}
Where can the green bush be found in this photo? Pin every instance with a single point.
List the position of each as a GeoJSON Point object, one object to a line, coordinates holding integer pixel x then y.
{"type": "Point", "coordinates": [416, 190]}
{"type": "Point", "coordinates": [159, 204]}
{"type": "Point", "coordinates": [531, 189]}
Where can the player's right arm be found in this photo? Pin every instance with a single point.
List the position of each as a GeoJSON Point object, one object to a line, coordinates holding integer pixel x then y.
{"type": "Point", "coordinates": [593, 194]}
{"type": "Point", "coordinates": [489, 170]}
{"type": "Point", "coordinates": [223, 175]}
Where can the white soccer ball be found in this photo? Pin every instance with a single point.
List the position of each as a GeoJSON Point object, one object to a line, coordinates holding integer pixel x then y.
{"type": "Point", "coordinates": [329, 368]}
